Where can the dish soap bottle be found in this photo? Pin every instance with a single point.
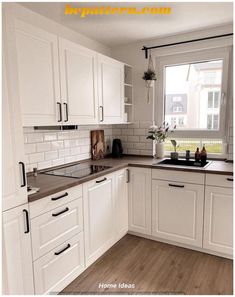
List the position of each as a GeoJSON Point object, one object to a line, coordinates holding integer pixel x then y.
{"type": "Point", "coordinates": [203, 155]}
{"type": "Point", "coordinates": [197, 155]}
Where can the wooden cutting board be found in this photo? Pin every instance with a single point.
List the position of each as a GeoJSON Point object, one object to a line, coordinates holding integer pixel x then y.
{"type": "Point", "coordinates": [97, 144]}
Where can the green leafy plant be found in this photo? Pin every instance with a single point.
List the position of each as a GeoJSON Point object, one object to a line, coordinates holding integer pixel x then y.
{"type": "Point", "coordinates": [175, 145]}
{"type": "Point", "coordinates": [149, 75]}
{"type": "Point", "coordinates": [159, 134]}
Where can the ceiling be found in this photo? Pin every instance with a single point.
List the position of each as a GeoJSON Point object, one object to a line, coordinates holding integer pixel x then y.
{"type": "Point", "coordinates": [113, 30]}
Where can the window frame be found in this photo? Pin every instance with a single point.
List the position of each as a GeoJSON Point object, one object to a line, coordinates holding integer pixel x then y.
{"type": "Point", "coordinates": [192, 57]}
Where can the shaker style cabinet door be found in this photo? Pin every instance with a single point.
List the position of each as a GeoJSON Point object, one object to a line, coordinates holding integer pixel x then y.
{"type": "Point", "coordinates": [14, 175]}
{"type": "Point", "coordinates": [177, 212]}
{"type": "Point", "coordinates": [98, 217]}
{"type": "Point", "coordinates": [140, 200]}
{"type": "Point", "coordinates": [121, 203]}
{"type": "Point", "coordinates": [218, 220]}
{"type": "Point", "coordinates": [78, 68]}
{"type": "Point", "coordinates": [17, 255]}
{"type": "Point", "coordinates": [38, 75]}
{"type": "Point", "coordinates": [111, 90]}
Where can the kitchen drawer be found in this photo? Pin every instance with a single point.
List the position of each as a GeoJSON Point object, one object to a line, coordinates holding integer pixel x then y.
{"type": "Point", "coordinates": [219, 180]}
{"type": "Point", "coordinates": [50, 202]}
{"type": "Point", "coordinates": [54, 271]}
{"type": "Point", "coordinates": [178, 176]}
{"type": "Point", "coordinates": [54, 227]}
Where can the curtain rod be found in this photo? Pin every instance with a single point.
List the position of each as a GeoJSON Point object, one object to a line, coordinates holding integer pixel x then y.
{"type": "Point", "coordinates": [146, 49]}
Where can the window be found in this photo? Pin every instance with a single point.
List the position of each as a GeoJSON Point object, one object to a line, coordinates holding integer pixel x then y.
{"type": "Point", "coordinates": [196, 85]}
{"type": "Point", "coordinates": [212, 121]}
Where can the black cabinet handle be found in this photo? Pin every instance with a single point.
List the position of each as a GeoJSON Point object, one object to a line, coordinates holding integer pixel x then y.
{"type": "Point", "coordinates": [229, 179]}
{"type": "Point", "coordinates": [102, 180]}
{"type": "Point", "coordinates": [60, 112]}
{"type": "Point", "coordinates": [102, 113]}
{"type": "Point", "coordinates": [128, 176]}
{"type": "Point", "coordinates": [59, 213]}
{"type": "Point", "coordinates": [67, 247]}
{"type": "Point", "coordinates": [176, 186]}
{"type": "Point", "coordinates": [59, 197]}
{"type": "Point", "coordinates": [23, 174]}
{"type": "Point", "coordinates": [67, 112]}
{"type": "Point", "coordinates": [27, 220]}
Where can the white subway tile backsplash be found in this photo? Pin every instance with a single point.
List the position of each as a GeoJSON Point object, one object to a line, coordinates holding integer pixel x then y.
{"type": "Point", "coordinates": [34, 137]}
{"type": "Point", "coordinates": [64, 153]}
{"type": "Point", "coordinates": [139, 132]}
{"type": "Point", "coordinates": [84, 134]}
{"type": "Point", "coordinates": [45, 164]}
{"type": "Point", "coordinates": [36, 157]}
{"type": "Point", "coordinates": [75, 150]}
{"type": "Point", "coordinates": [50, 136]}
{"type": "Point", "coordinates": [133, 139]}
{"type": "Point", "coordinates": [55, 145]}
{"type": "Point", "coordinates": [145, 124]}
{"type": "Point", "coordinates": [117, 131]}
{"type": "Point", "coordinates": [52, 155]}
{"type": "Point", "coordinates": [30, 148]}
{"type": "Point", "coordinates": [139, 146]}
{"type": "Point", "coordinates": [58, 162]}
{"type": "Point", "coordinates": [127, 131]}
{"type": "Point", "coordinates": [43, 146]}
{"type": "Point", "coordinates": [63, 135]}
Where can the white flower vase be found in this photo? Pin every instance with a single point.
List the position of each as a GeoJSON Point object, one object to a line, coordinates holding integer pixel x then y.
{"type": "Point", "coordinates": [160, 152]}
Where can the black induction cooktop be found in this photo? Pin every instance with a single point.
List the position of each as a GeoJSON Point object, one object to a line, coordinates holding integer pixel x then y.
{"type": "Point", "coordinates": [77, 171]}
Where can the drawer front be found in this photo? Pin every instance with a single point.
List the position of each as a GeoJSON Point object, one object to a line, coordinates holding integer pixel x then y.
{"type": "Point", "coordinates": [54, 271]}
{"type": "Point", "coordinates": [219, 180]}
{"type": "Point", "coordinates": [178, 176]}
{"type": "Point", "coordinates": [54, 227]}
{"type": "Point", "coordinates": [48, 203]}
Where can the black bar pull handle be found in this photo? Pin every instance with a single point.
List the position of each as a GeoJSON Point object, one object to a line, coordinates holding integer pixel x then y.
{"type": "Point", "coordinates": [59, 197]}
{"type": "Point", "coordinates": [66, 111]}
{"type": "Point", "coordinates": [102, 113]}
{"type": "Point", "coordinates": [27, 220]}
{"type": "Point", "coordinates": [102, 180]}
{"type": "Point", "coordinates": [23, 174]}
{"type": "Point", "coordinates": [67, 247]}
{"type": "Point", "coordinates": [128, 176]}
{"type": "Point", "coordinates": [60, 112]}
{"type": "Point", "coordinates": [229, 179]}
{"type": "Point", "coordinates": [59, 213]}
{"type": "Point", "coordinates": [176, 186]}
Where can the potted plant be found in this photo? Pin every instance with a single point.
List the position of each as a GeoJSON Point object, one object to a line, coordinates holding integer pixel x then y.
{"type": "Point", "coordinates": [149, 76]}
{"type": "Point", "coordinates": [174, 155]}
{"type": "Point", "coordinates": [158, 135]}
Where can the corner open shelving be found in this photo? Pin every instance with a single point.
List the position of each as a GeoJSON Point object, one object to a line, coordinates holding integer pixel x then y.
{"type": "Point", "coordinates": [128, 94]}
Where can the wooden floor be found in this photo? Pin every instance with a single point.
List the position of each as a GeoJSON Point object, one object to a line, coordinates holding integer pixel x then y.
{"type": "Point", "coordinates": [155, 267]}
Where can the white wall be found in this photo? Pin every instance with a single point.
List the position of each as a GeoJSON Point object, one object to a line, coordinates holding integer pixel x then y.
{"type": "Point", "coordinates": [133, 55]}
{"type": "Point", "coordinates": [35, 19]}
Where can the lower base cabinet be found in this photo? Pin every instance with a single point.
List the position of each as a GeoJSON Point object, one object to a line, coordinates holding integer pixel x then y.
{"type": "Point", "coordinates": [54, 271]}
{"type": "Point", "coordinates": [177, 212]}
{"type": "Point", "coordinates": [17, 254]}
{"type": "Point", "coordinates": [99, 217]}
{"type": "Point", "coordinates": [218, 220]}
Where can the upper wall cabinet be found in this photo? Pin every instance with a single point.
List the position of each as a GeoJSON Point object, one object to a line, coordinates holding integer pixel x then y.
{"type": "Point", "coordinates": [111, 90]}
{"type": "Point", "coordinates": [78, 69]}
{"type": "Point", "coordinates": [38, 75]}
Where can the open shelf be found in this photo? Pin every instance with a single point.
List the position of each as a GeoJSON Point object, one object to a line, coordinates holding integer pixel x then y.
{"type": "Point", "coordinates": [128, 93]}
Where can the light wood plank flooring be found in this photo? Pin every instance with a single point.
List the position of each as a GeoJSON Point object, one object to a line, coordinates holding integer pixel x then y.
{"type": "Point", "coordinates": [155, 267]}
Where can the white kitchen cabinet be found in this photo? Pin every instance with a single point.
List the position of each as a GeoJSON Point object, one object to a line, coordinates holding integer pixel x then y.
{"type": "Point", "coordinates": [38, 75]}
{"type": "Point", "coordinates": [58, 268]}
{"type": "Point", "coordinates": [177, 211]}
{"type": "Point", "coordinates": [140, 200]}
{"type": "Point", "coordinates": [78, 70]}
{"type": "Point", "coordinates": [55, 227]}
{"type": "Point", "coordinates": [121, 203]}
{"type": "Point", "coordinates": [17, 256]}
{"type": "Point", "coordinates": [111, 90]}
{"type": "Point", "coordinates": [14, 178]}
{"type": "Point", "coordinates": [218, 220]}
{"type": "Point", "coordinates": [99, 216]}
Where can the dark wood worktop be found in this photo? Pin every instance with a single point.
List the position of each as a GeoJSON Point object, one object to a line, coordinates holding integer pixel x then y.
{"type": "Point", "coordinates": [49, 184]}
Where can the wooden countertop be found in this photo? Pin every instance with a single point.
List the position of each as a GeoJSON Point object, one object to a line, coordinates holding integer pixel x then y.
{"type": "Point", "coordinates": [49, 184]}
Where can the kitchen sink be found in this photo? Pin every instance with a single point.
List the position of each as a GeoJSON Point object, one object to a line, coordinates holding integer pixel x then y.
{"type": "Point", "coordinates": [182, 162]}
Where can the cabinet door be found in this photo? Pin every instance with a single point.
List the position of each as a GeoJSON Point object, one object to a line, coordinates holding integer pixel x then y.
{"type": "Point", "coordinates": [14, 179]}
{"type": "Point", "coordinates": [111, 90]}
{"type": "Point", "coordinates": [218, 220]}
{"type": "Point", "coordinates": [17, 255]}
{"type": "Point", "coordinates": [177, 212]}
{"type": "Point", "coordinates": [140, 200]}
{"type": "Point", "coordinates": [121, 203]}
{"type": "Point", "coordinates": [78, 68]}
{"type": "Point", "coordinates": [38, 75]}
{"type": "Point", "coordinates": [98, 217]}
